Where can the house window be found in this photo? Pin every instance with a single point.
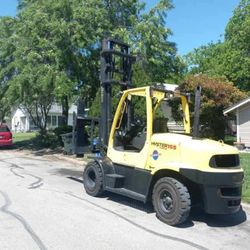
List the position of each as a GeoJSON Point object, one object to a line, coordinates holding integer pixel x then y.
{"type": "Point", "coordinates": [49, 120]}
{"type": "Point", "coordinates": [32, 124]}
{"type": "Point", "coordinates": [60, 120]}
{"type": "Point", "coordinates": [53, 120]}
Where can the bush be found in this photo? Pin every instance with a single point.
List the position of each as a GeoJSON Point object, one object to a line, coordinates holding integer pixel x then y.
{"type": "Point", "coordinates": [64, 129]}
{"type": "Point", "coordinates": [49, 140]}
{"type": "Point", "coordinates": [217, 94]}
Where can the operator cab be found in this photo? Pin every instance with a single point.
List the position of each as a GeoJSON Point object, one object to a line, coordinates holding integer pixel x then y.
{"type": "Point", "coordinates": [131, 135]}
{"type": "Point", "coordinates": [167, 118]}
{"type": "Point", "coordinates": [141, 113]}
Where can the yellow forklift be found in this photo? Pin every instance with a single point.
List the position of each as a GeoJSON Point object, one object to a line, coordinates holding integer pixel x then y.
{"type": "Point", "coordinates": [149, 153]}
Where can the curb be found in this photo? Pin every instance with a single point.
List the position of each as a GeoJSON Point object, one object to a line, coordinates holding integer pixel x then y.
{"type": "Point", "coordinates": [245, 206]}
{"type": "Point", "coordinates": [79, 162]}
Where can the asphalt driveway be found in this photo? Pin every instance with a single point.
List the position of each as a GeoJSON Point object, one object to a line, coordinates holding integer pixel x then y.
{"type": "Point", "coordinates": [43, 206]}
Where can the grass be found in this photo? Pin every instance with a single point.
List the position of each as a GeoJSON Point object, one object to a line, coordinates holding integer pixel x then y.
{"type": "Point", "coordinates": [245, 164]}
{"type": "Point", "coordinates": [22, 137]}
{"type": "Point", "coordinates": [34, 141]}
{"type": "Point", "coordinates": [230, 139]}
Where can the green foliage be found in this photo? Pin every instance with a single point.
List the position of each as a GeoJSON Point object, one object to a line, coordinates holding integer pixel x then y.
{"type": "Point", "coordinates": [217, 94]}
{"type": "Point", "coordinates": [48, 140]}
{"type": "Point", "coordinates": [206, 59]}
{"type": "Point", "coordinates": [51, 50]}
{"type": "Point", "coordinates": [62, 130]}
{"type": "Point", "coordinates": [237, 36]}
{"type": "Point", "coordinates": [7, 68]}
{"type": "Point", "coordinates": [231, 57]}
{"type": "Point", "coordinates": [35, 141]}
{"type": "Point", "coordinates": [245, 163]}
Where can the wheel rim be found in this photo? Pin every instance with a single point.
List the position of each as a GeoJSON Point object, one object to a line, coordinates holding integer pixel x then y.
{"type": "Point", "coordinates": [91, 178]}
{"type": "Point", "coordinates": [166, 201]}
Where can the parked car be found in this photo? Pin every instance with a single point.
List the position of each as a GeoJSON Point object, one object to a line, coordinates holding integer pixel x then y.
{"type": "Point", "coordinates": [5, 136]}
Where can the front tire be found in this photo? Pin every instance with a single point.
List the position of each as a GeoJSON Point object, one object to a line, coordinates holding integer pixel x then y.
{"type": "Point", "coordinates": [93, 179]}
{"type": "Point", "coordinates": [171, 201]}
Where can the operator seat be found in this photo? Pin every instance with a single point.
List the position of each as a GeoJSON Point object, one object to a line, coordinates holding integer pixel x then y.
{"type": "Point", "coordinates": [160, 125]}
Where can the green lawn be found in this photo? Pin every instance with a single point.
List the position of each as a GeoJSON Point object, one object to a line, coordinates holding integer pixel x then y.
{"type": "Point", "coordinates": [20, 137]}
{"type": "Point", "coordinates": [245, 164]}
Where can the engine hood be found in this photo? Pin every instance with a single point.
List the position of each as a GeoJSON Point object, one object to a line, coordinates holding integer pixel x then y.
{"type": "Point", "coordinates": [194, 153]}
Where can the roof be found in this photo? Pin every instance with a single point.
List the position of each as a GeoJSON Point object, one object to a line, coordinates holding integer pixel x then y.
{"type": "Point", "coordinates": [236, 105]}
{"type": "Point", "coordinates": [167, 86]}
{"type": "Point", "coordinates": [55, 109]}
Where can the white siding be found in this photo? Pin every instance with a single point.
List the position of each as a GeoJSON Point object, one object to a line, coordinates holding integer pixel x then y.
{"type": "Point", "coordinates": [244, 125]}
{"type": "Point", "coordinates": [70, 120]}
{"type": "Point", "coordinates": [20, 121]}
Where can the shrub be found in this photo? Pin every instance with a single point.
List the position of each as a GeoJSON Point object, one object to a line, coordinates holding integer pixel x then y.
{"type": "Point", "coordinates": [64, 129]}
{"type": "Point", "coordinates": [48, 140]}
{"type": "Point", "coordinates": [217, 94]}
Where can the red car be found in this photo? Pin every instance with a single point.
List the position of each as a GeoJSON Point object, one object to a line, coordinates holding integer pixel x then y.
{"type": "Point", "coordinates": [5, 136]}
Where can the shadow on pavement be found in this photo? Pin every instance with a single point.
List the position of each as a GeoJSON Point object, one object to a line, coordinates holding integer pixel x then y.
{"type": "Point", "coordinates": [228, 220]}
{"type": "Point", "coordinates": [34, 148]}
{"type": "Point", "coordinates": [75, 179]}
{"type": "Point", "coordinates": [70, 173]}
{"type": "Point", "coordinates": [214, 220]}
{"type": "Point", "coordinates": [148, 207]}
{"type": "Point", "coordinates": [196, 215]}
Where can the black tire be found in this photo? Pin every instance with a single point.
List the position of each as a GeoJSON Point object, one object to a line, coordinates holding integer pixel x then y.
{"type": "Point", "coordinates": [171, 201]}
{"type": "Point", "coordinates": [93, 179]}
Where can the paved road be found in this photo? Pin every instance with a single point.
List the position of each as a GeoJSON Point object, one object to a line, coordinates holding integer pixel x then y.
{"type": "Point", "coordinates": [43, 206]}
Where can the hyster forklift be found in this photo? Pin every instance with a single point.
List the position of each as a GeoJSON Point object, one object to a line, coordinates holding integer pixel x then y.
{"type": "Point", "coordinates": [148, 156]}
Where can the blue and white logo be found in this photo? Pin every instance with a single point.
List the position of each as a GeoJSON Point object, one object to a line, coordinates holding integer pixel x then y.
{"type": "Point", "coordinates": [155, 155]}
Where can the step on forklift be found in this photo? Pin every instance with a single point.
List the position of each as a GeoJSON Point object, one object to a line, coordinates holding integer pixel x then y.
{"type": "Point", "coordinates": [148, 156]}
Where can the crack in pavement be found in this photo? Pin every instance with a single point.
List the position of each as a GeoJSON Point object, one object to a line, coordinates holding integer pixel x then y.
{"type": "Point", "coordinates": [25, 224]}
{"type": "Point", "coordinates": [13, 172]}
{"type": "Point", "coordinates": [24, 157]}
{"type": "Point", "coordinates": [33, 185]}
{"type": "Point", "coordinates": [164, 236]}
{"type": "Point", "coordinates": [14, 166]}
{"type": "Point", "coordinates": [37, 183]}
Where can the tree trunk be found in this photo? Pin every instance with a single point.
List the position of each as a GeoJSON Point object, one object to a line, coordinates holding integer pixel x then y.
{"type": "Point", "coordinates": [65, 109]}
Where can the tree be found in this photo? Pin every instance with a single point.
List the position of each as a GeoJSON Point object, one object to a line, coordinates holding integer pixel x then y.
{"type": "Point", "coordinates": [206, 59]}
{"type": "Point", "coordinates": [56, 48]}
{"type": "Point", "coordinates": [217, 94]}
{"type": "Point", "coordinates": [231, 57]}
{"type": "Point", "coordinates": [147, 35]}
{"type": "Point", "coordinates": [237, 36]}
{"type": "Point", "coordinates": [7, 68]}
{"type": "Point", "coordinates": [33, 85]}
{"type": "Point", "coordinates": [45, 32]}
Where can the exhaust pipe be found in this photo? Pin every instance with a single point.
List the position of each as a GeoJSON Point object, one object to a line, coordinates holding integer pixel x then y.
{"type": "Point", "coordinates": [197, 105]}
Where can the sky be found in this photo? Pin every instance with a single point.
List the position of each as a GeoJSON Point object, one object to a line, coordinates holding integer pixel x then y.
{"type": "Point", "coordinates": [193, 22]}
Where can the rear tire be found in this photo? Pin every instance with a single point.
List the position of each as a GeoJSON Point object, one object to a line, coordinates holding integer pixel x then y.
{"type": "Point", "coordinates": [171, 201]}
{"type": "Point", "coordinates": [93, 179]}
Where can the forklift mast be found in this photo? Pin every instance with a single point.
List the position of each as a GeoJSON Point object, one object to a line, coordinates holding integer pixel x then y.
{"type": "Point", "coordinates": [116, 68]}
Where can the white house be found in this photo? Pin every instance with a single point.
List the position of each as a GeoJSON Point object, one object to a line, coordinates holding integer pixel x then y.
{"type": "Point", "coordinates": [21, 121]}
{"type": "Point", "coordinates": [242, 111]}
